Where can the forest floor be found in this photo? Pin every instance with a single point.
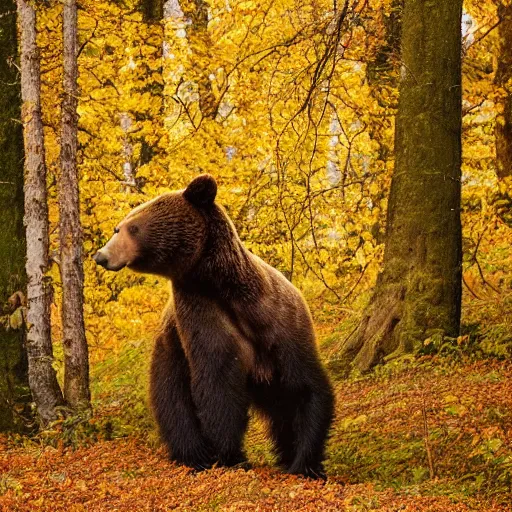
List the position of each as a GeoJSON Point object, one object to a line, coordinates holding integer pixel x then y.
{"type": "Point", "coordinates": [427, 435]}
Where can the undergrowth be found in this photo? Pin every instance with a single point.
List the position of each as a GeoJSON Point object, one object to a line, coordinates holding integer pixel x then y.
{"type": "Point", "coordinates": [435, 424]}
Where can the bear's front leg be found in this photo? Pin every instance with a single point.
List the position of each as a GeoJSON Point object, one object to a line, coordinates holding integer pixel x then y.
{"type": "Point", "coordinates": [219, 392]}
{"type": "Point", "coordinates": [218, 375]}
{"type": "Point", "coordinates": [172, 402]}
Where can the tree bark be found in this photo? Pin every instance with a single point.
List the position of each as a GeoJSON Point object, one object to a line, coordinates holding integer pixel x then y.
{"type": "Point", "coordinates": [42, 378]}
{"type": "Point", "coordinates": [14, 389]}
{"type": "Point", "coordinates": [503, 130]}
{"type": "Point", "coordinates": [418, 293]}
{"type": "Point", "coordinates": [76, 355]}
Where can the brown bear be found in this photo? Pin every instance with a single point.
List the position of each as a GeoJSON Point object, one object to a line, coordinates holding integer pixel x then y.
{"type": "Point", "coordinates": [236, 333]}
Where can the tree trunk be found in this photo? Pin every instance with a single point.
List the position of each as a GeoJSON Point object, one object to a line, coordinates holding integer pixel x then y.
{"type": "Point", "coordinates": [43, 381]}
{"type": "Point", "coordinates": [76, 355]}
{"type": "Point", "coordinates": [503, 130]}
{"type": "Point", "coordinates": [14, 389]}
{"type": "Point", "coordinates": [418, 293]}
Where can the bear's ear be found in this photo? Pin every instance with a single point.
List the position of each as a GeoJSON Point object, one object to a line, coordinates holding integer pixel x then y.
{"type": "Point", "coordinates": [201, 191]}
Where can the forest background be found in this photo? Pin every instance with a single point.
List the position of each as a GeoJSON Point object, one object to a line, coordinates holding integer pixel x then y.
{"type": "Point", "coordinates": [294, 116]}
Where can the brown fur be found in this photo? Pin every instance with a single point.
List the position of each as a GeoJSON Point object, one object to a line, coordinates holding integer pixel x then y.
{"type": "Point", "coordinates": [236, 334]}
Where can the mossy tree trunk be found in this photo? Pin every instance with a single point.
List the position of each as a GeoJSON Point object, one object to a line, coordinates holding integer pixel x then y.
{"type": "Point", "coordinates": [14, 391]}
{"type": "Point", "coordinates": [418, 293]}
{"type": "Point", "coordinates": [503, 131]}
{"type": "Point", "coordinates": [42, 378]}
{"type": "Point", "coordinates": [76, 353]}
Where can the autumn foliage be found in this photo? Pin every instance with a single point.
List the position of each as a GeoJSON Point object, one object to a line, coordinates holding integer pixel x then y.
{"type": "Point", "coordinates": [301, 144]}
{"type": "Point", "coordinates": [290, 104]}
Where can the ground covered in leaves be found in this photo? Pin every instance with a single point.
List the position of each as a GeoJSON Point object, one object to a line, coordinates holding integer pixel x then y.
{"type": "Point", "coordinates": [433, 435]}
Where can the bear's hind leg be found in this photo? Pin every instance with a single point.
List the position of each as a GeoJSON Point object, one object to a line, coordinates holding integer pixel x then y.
{"type": "Point", "coordinates": [172, 402]}
{"type": "Point", "coordinates": [275, 407]}
{"type": "Point", "coordinates": [281, 430]}
{"type": "Point", "coordinates": [313, 418]}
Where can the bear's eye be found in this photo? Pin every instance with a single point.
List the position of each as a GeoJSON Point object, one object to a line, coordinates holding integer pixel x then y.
{"type": "Point", "coordinates": [133, 230]}
{"type": "Point", "coordinates": [116, 230]}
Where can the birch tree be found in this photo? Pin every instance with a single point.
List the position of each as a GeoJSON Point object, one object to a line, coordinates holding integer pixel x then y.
{"type": "Point", "coordinates": [42, 378]}
{"type": "Point", "coordinates": [76, 357]}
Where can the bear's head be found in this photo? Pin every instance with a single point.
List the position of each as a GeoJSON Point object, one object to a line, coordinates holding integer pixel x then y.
{"type": "Point", "coordinates": [164, 236]}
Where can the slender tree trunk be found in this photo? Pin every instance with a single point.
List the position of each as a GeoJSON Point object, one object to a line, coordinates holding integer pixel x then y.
{"type": "Point", "coordinates": [418, 293]}
{"type": "Point", "coordinates": [128, 171]}
{"type": "Point", "coordinates": [43, 381]}
{"type": "Point", "coordinates": [14, 389]}
{"type": "Point", "coordinates": [503, 131]}
{"type": "Point", "coordinates": [76, 355]}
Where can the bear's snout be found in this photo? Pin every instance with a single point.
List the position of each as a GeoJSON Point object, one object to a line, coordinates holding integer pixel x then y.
{"type": "Point", "coordinates": [100, 259]}
{"type": "Point", "coordinates": [104, 258]}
